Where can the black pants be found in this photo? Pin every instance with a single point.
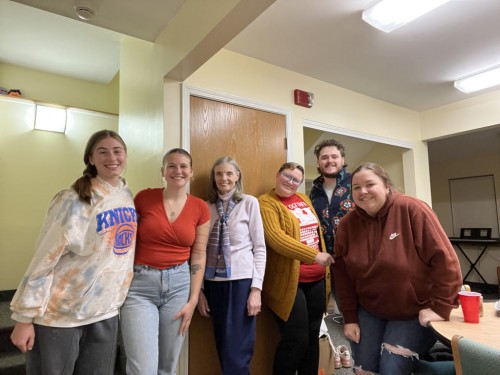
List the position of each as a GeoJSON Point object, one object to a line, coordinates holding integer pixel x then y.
{"type": "Point", "coordinates": [84, 350]}
{"type": "Point", "coordinates": [298, 349]}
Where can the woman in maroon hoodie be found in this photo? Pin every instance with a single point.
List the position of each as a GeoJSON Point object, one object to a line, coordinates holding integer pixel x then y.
{"type": "Point", "coordinates": [395, 272]}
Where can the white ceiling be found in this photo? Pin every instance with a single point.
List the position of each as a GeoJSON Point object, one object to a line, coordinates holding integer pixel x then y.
{"type": "Point", "coordinates": [413, 66]}
{"type": "Point", "coordinates": [40, 40]}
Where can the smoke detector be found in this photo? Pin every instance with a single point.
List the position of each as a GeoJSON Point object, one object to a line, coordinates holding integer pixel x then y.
{"type": "Point", "coordinates": [85, 10]}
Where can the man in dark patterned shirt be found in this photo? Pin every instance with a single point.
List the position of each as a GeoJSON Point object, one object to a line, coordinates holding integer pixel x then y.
{"type": "Point", "coordinates": [331, 192]}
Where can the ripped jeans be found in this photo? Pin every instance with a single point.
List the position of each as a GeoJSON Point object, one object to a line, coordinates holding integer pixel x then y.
{"type": "Point", "coordinates": [390, 347]}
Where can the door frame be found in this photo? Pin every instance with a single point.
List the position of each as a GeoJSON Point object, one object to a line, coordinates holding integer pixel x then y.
{"type": "Point", "coordinates": [407, 155]}
{"type": "Point", "coordinates": [356, 134]}
{"type": "Point", "coordinates": [187, 92]}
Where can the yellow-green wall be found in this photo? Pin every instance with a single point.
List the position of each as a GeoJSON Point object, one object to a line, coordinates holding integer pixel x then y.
{"type": "Point", "coordinates": [34, 166]}
{"type": "Point", "coordinates": [143, 66]}
{"type": "Point", "coordinates": [137, 93]}
{"type": "Point", "coordinates": [57, 89]}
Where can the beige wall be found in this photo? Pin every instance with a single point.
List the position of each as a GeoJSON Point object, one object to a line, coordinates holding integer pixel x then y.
{"type": "Point", "coordinates": [460, 117]}
{"type": "Point", "coordinates": [391, 158]}
{"type": "Point", "coordinates": [467, 115]}
{"type": "Point", "coordinates": [228, 73]}
{"type": "Point", "coordinates": [467, 166]}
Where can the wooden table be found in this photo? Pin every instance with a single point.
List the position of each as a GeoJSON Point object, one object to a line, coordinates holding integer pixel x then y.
{"type": "Point", "coordinates": [487, 331]}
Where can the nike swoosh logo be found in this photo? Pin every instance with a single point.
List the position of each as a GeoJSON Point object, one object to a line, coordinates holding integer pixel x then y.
{"type": "Point", "coordinates": [393, 236]}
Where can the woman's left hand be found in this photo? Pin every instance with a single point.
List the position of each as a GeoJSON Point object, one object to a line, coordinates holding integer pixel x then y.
{"type": "Point", "coordinates": [187, 315]}
{"type": "Point", "coordinates": [254, 303]}
{"type": "Point", "coordinates": [324, 259]}
{"type": "Point", "coordinates": [203, 307]}
{"type": "Point", "coordinates": [352, 332]}
{"type": "Point", "coordinates": [426, 316]}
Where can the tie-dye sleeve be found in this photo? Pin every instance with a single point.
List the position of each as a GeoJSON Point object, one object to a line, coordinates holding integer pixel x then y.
{"type": "Point", "coordinates": [32, 295]}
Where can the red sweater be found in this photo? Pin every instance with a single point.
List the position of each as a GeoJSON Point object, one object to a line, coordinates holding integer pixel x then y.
{"type": "Point", "coordinates": [160, 243]}
{"type": "Point", "coordinates": [396, 263]}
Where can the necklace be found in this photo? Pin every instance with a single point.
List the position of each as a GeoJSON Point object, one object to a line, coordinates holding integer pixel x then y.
{"type": "Point", "coordinates": [174, 208]}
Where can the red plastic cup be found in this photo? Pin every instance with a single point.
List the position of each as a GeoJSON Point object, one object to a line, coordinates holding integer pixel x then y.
{"type": "Point", "coordinates": [470, 302]}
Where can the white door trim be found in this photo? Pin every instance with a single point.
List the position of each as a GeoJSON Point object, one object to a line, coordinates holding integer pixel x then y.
{"type": "Point", "coordinates": [355, 134]}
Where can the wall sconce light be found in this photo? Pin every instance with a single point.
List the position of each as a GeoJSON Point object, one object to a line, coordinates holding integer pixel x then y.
{"type": "Point", "coordinates": [388, 15]}
{"type": "Point", "coordinates": [480, 81]}
{"type": "Point", "coordinates": [50, 118]}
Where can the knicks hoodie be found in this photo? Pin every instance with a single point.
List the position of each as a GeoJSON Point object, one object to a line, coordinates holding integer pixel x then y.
{"type": "Point", "coordinates": [82, 267]}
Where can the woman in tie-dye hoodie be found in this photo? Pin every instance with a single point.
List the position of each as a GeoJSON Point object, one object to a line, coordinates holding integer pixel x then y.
{"type": "Point", "coordinates": [66, 306]}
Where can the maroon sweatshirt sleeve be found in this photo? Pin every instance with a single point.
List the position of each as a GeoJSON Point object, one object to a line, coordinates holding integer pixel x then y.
{"type": "Point", "coordinates": [345, 287]}
{"type": "Point", "coordinates": [437, 252]}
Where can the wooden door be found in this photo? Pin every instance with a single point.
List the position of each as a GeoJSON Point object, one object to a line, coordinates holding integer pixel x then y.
{"type": "Point", "coordinates": [256, 140]}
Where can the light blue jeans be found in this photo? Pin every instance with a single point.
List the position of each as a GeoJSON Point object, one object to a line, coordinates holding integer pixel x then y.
{"type": "Point", "coordinates": [150, 335]}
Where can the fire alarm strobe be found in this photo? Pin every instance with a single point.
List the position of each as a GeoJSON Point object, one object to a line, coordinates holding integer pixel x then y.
{"type": "Point", "coordinates": [303, 98]}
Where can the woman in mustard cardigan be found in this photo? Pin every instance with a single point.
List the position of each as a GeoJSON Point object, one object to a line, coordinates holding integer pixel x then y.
{"type": "Point", "coordinates": [297, 279]}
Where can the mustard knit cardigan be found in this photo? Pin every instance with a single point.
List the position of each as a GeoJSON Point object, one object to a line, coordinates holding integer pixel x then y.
{"type": "Point", "coordinates": [284, 254]}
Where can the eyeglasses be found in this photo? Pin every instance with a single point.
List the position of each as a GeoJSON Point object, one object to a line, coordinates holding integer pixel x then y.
{"type": "Point", "coordinates": [291, 179]}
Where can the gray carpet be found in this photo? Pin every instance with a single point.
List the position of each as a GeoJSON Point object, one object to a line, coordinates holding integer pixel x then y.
{"type": "Point", "coordinates": [336, 332]}
{"type": "Point", "coordinates": [11, 360]}
{"type": "Point", "coordinates": [5, 313]}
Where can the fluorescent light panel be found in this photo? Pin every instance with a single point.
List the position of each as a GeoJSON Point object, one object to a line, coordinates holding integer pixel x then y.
{"type": "Point", "coordinates": [388, 15]}
{"type": "Point", "coordinates": [479, 81]}
{"type": "Point", "coordinates": [50, 118]}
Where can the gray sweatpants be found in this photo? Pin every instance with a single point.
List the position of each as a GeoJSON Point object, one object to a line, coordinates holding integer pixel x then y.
{"type": "Point", "coordinates": [85, 350]}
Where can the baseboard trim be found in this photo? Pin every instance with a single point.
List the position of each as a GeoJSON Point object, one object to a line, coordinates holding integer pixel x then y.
{"type": "Point", "coordinates": [6, 295]}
